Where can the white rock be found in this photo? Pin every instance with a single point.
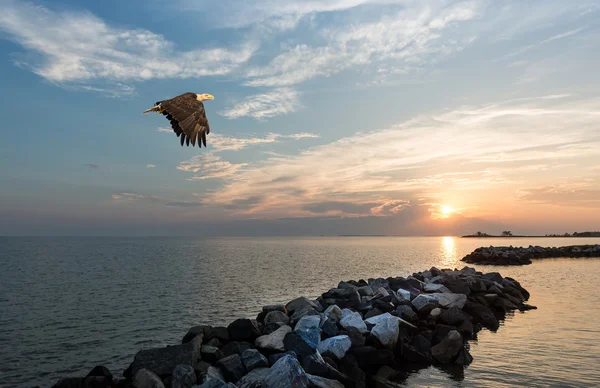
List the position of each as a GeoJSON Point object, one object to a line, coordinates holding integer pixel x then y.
{"type": "Point", "coordinates": [386, 329]}
{"type": "Point", "coordinates": [435, 312]}
{"type": "Point", "coordinates": [334, 312]}
{"type": "Point", "coordinates": [273, 341]}
{"type": "Point", "coordinates": [337, 346]}
{"type": "Point", "coordinates": [353, 319]}
{"type": "Point", "coordinates": [403, 295]}
{"type": "Point", "coordinates": [379, 318]}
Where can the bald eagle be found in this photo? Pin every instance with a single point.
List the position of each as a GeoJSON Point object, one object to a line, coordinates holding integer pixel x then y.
{"type": "Point", "coordinates": [187, 116]}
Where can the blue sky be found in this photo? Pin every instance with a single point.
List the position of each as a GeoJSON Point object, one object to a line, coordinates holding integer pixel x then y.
{"type": "Point", "coordinates": [330, 117]}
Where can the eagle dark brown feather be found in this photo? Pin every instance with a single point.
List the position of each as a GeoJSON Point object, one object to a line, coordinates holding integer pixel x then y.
{"type": "Point", "coordinates": [187, 117]}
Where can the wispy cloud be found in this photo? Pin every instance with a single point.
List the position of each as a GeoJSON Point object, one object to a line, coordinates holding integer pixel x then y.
{"type": "Point", "coordinates": [210, 166]}
{"type": "Point", "coordinates": [228, 143]}
{"type": "Point", "coordinates": [392, 165]}
{"type": "Point", "coordinates": [164, 129]}
{"type": "Point", "coordinates": [93, 166]}
{"type": "Point", "coordinates": [150, 166]}
{"type": "Point", "coordinates": [563, 35]}
{"type": "Point", "coordinates": [274, 14]}
{"type": "Point", "coordinates": [80, 48]}
{"type": "Point", "coordinates": [404, 38]}
{"type": "Point", "coordinates": [276, 102]}
{"type": "Point", "coordinates": [529, 47]}
{"type": "Point", "coordinates": [127, 197]}
{"type": "Point", "coordinates": [568, 195]}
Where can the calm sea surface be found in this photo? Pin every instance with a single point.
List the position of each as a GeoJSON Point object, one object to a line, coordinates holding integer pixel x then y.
{"type": "Point", "coordinates": [68, 304]}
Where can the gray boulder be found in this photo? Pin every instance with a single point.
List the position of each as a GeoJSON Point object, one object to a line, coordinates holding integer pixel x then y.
{"type": "Point", "coordinates": [377, 283]}
{"type": "Point", "coordinates": [162, 361]}
{"type": "Point", "coordinates": [454, 316]}
{"type": "Point", "coordinates": [215, 383]}
{"type": "Point", "coordinates": [482, 314]}
{"type": "Point", "coordinates": [300, 303]}
{"type": "Point", "coordinates": [407, 313]}
{"type": "Point", "coordinates": [254, 379]}
{"type": "Point", "coordinates": [433, 287]}
{"type": "Point", "coordinates": [308, 328]}
{"type": "Point", "coordinates": [316, 365]}
{"type": "Point", "coordinates": [274, 307]}
{"type": "Point", "coordinates": [210, 353]}
{"type": "Point", "coordinates": [334, 312]}
{"type": "Point", "coordinates": [386, 329]}
{"type": "Point", "coordinates": [446, 351]}
{"type": "Point", "coordinates": [424, 301]}
{"type": "Point", "coordinates": [243, 329]}
{"type": "Point", "coordinates": [184, 376]}
{"type": "Point", "coordinates": [235, 347]}
{"type": "Point", "coordinates": [365, 291]}
{"type": "Point", "coordinates": [403, 295]}
{"type": "Point", "coordinates": [302, 312]}
{"type": "Point", "coordinates": [450, 299]}
{"type": "Point", "coordinates": [296, 343]}
{"type": "Point", "coordinates": [322, 382]}
{"type": "Point", "coordinates": [464, 357]}
{"type": "Point", "coordinates": [274, 357]}
{"type": "Point", "coordinates": [286, 373]}
{"type": "Point", "coordinates": [273, 341]}
{"type": "Point", "coordinates": [435, 313]}
{"type": "Point", "coordinates": [354, 320]}
{"type": "Point", "coordinates": [335, 347]}
{"type": "Point", "coordinates": [145, 378]}
{"type": "Point", "coordinates": [347, 285]}
{"type": "Point", "coordinates": [253, 359]}
{"type": "Point", "coordinates": [419, 351]}
{"type": "Point", "coordinates": [214, 373]}
{"type": "Point", "coordinates": [277, 317]}
{"type": "Point", "coordinates": [382, 292]}
{"type": "Point", "coordinates": [232, 367]}
{"type": "Point", "coordinates": [194, 331]}
{"type": "Point", "coordinates": [328, 327]}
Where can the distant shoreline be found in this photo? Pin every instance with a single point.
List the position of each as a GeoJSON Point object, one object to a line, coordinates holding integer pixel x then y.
{"type": "Point", "coordinates": [498, 236]}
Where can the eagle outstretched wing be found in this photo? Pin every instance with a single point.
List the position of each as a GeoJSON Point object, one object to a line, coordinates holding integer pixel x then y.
{"type": "Point", "coordinates": [187, 117]}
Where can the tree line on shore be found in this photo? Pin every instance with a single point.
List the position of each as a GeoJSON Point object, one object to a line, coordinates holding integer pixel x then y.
{"type": "Point", "coordinates": [508, 233]}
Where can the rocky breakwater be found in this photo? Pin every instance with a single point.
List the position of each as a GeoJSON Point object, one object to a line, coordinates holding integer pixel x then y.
{"type": "Point", "coordinates": [523, 256]}
{"type": "Point", "coordinates": [359, 334]}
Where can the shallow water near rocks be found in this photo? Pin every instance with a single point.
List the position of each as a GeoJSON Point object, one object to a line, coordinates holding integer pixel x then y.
{"type": "Point", "coordinates": [68, 304]}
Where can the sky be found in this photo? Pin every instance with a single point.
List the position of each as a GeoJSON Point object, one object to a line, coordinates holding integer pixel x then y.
{"type": "Point", "coordinates": [399, 117]}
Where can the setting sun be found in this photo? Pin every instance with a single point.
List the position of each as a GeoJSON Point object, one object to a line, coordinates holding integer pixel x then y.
{"type": "Point", "coordinates": [447, 210]}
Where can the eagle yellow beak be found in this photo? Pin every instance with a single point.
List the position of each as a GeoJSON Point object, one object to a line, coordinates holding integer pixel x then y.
{"type": "Point", "coordinates": [204, 97]}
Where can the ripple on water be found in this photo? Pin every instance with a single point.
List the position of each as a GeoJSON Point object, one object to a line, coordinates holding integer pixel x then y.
{"type": "Point", "coordinates": [69, 304]}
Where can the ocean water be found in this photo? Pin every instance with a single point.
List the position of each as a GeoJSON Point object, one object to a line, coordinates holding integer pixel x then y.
{"type": "Point", "coordinates": [68, 304]}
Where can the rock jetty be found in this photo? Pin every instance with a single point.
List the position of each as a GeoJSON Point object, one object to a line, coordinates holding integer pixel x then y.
{"type": "Point", "coordinates": [523, 256]}
{"type": "Point", "coordinates": [359, 334]}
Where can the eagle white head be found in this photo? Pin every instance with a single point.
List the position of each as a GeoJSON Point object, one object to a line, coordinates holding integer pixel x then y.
{"type": "Point", "coordinates": [204, 97]}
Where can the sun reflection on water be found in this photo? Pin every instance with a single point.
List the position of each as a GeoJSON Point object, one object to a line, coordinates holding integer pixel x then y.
{"type": "Point", "coordinates": [448, 250]}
